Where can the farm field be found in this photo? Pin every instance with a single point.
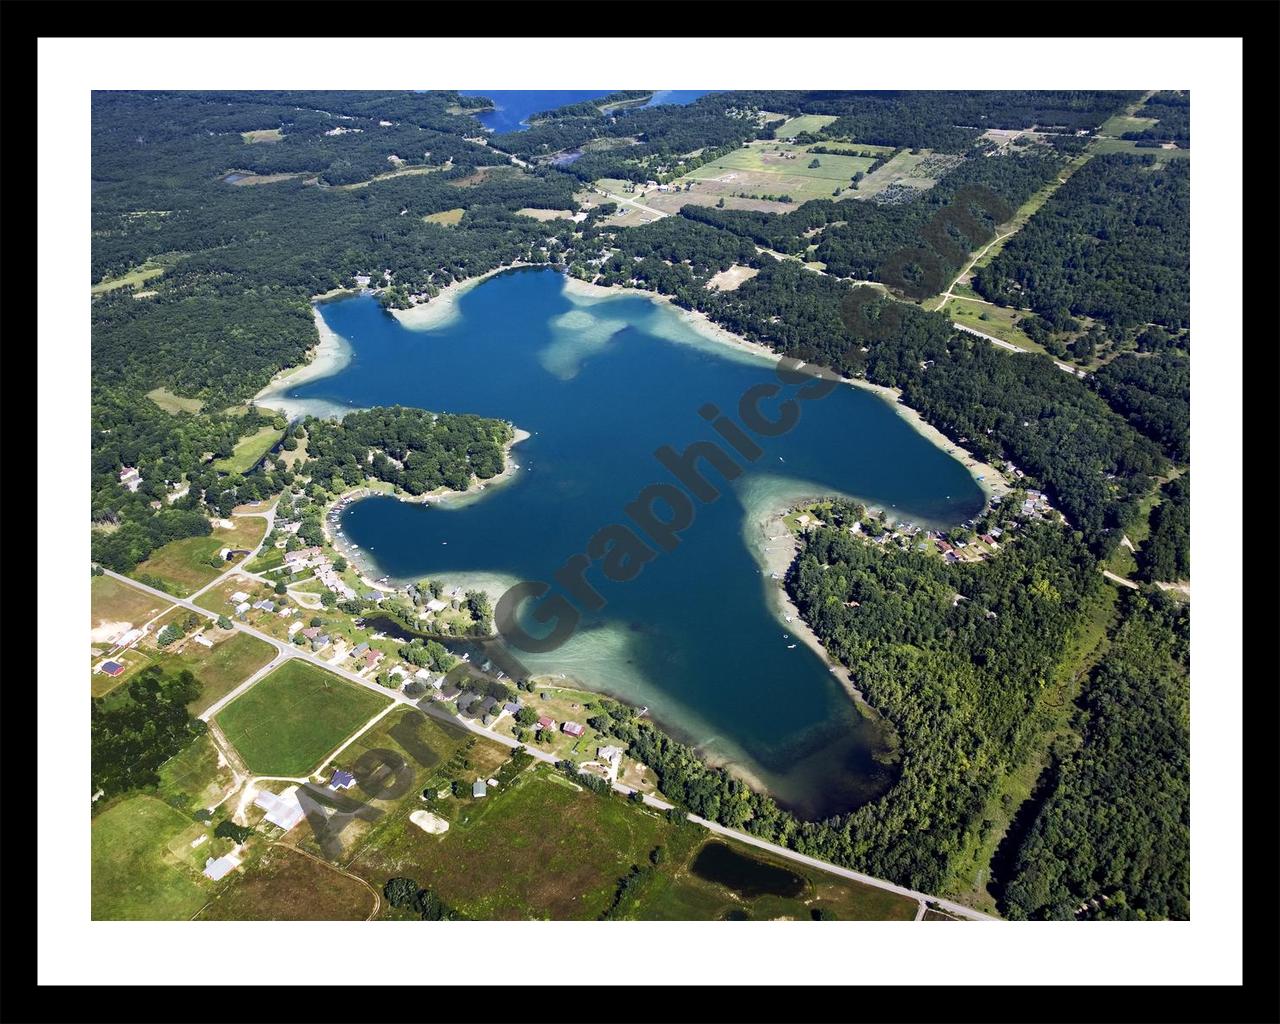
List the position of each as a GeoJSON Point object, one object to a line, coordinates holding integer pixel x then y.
{"type": "Point", "coordinates": [804, 123]}
{"type": "Point", "coordinates": [285, 885]}
{"type": "Point", "coordinates": [183, 565]}
{"type": "Point", "coordinates": [1131, 147]}
{"type": "Point", "coordinates": [220, 668]}
{"type": "Point", "coordinates": [135, 876]}
{"type": "Point", "coordinates": [1117, 125]}
{"type": "Point", "coordinates": [249, 451]}
{"type": "Point", "coordinates": [545, 215]}
{"type": "Point", "coordinates": [776, 168]}
{"type": "Point", "coordinates": [287, 722]}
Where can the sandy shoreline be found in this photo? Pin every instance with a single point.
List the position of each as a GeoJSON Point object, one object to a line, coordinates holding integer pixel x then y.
{"type": "Point", "coordinates": [441, 495]}
{"type": "Point", "coordinates": [331, 354]}
{"type": "Point", "coordinates": [443, 309]}
{"type": "Point", "coordinates": [988, 479]}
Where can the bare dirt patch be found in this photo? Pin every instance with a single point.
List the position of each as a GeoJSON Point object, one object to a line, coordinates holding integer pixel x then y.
{"type": "Point", "coordinates": [729, 280]}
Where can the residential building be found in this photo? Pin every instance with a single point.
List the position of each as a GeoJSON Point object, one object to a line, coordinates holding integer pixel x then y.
{"type": "Point", "coordinates": [341, 779]}
{"type": "Point", "coordinates": [572, 729]}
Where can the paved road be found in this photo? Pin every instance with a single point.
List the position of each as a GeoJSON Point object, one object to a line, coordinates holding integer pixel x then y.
{"type": "Point", "coordinates": [1074, 370]}
{"type": "Point", "coordinates": [290, 651]}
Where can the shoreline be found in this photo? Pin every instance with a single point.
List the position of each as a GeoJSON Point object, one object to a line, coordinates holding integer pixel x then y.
{"type": "Point", "coordinates": [989, 480]}
{"type": "Point", "coordinates": [441, 495]}
{"type": "Point", "coordinates": [328, 356]}
{"type": "Point", "coordinates": [443, 309]}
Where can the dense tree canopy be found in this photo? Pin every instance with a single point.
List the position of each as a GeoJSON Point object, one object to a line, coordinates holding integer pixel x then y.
{"type": "Point", "coordinates": [1112, 839]}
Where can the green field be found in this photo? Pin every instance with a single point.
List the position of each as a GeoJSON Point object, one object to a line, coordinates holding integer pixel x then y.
{"type": "Point", "coordinates": [546, 848]}
{"type": "Point", "coordinates": [183, 565]}
{"type": "Point", "coordinates": [285, 885]}
{"type": "Point", "coordinates": [290, 719]}
{"type": "Point", "coordinates": [193, 779]}
{"type": "Point", "coordinates": [774, 168]}
{"type": "Point", "coordinates": [262, 135]}
{"type": "Point", "coordinates": [134, 278]}
{"type": "Point", "coordinates": [803, 123]}
{"type": "Point", "coordinates": [220, 668]}
{"type": "Point", "coordinates": [1132, 148]}
{"type": "Point", "coordinates": [249, 451]}
{"type": "Point", "coordinates": [135, 876]}
{"type": "Point", "coordinates": [174, 404]}
{"type": "Point", "coordinates": [1119, 124]}
{"type": "Point", "coordinates": [998, 321]}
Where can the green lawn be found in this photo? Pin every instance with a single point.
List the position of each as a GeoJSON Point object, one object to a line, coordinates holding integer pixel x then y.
{"type": "Point", "coordinates": [1117, 125]}
{"type": "Point", "coordinates": [134, 874]}
{"type": "Point", "coordinates": [222, 667]}
{"type": "Point", "coordinates": [445, 218]}
{"type": "Point", "coordinates": [287, 722]}
{"type": "Point", "coordinates": [249, 451]}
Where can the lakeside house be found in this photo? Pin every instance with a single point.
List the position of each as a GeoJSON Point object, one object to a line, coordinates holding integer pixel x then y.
{"type": "Point", "coordinates": [371, 657]}
{"type": "Point", "coordinates": [546, 723]}
{"type": "Point", "coordinates": [572, 729]}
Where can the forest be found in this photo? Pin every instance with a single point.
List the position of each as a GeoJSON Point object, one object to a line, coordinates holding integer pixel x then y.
{"type": "Point", "coordinates": [1112, 839]}
{"type": "Point", "coordinates": [132, 739]}
{"type": "Point", "coordinates": [1166, 553]}
{"type": "Point", "coordinates": [413, 449]}
{"type": "Point", "coordinates": [1153, 392]}
{"type": "Point", "coordinates": [1113, 244]}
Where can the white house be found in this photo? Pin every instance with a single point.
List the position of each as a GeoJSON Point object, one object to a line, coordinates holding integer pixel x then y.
{"type": "Point", "coordinates": [216, 869]}
{"type": "Point", "coordinates": [283, 809]}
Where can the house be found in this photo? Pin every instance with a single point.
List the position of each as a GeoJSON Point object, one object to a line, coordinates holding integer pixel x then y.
{"type": "Point", "coordinates": [202, 640]}
{"type": "Point", "coordinates": [320, 642]}
{"type": "Point", "coordinates": [294, 627]}
{"type": "Point", "coordinates": [609, 753]}
{"type": "Point", "coordinates": [487, 704]}
{"type": "Point", "coordinates": [372, 657]}
{"type": "Point", "coordinates": [341, 779]}
{"type": "Point", "coordinates": [219, 868]}
{"type": "Point", "coordinates": [510, 708]}
{"type": "Point", "coordinates": [130, 638]}
{"type": "Point", "coordinates": [239, 597]}
{"type": "Point", "coordinates": [111, 668]}
{"type": "Point", "coordinates": [359, 649]}
{"type": "Point", "coordinates": [436, 605]}
{"type": "Point", "coordinates": [376, 596]}
{"type": "Point", "coordinates": [988, 539]}
{"type": "Point", "coordinates": [311, 632]}
{"type": "Point", "coordinates": [268, 606]}
{"type": "Point", "coordinates": [546, 723]}
{"type": "Point", "coordinates": [478, 790]}
{"type": "Point", "coordinates": [129, 478]}
{"type": "Point", "coordinates": [572, 729]}
{"type": "Point", "coordinates": [283, 809]}
{"type": "Point", "coordinates": [243, 607]}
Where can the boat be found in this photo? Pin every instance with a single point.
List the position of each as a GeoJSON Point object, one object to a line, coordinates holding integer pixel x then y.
{"type": "Point", "coordinates": [790, 646]}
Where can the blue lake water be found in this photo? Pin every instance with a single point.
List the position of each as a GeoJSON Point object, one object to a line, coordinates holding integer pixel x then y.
{"type": "Point", "coordinates": [601, 382]}
{"type": "Point", "coordinates": [513, 106]}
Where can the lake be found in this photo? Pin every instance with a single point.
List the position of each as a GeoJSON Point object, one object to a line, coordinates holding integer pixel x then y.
{"type": "Point", "coordinates": [600, 383]}
{"type": "Point", "coordinates": [514, 106]}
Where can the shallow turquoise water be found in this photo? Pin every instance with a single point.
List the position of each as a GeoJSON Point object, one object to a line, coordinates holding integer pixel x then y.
{"type": "Point", "coordinates": [601, 383]}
